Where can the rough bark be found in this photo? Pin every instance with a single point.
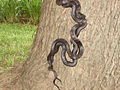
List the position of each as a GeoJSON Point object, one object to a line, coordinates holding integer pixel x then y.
{"type": "Point", "coordinates": [99, 67]}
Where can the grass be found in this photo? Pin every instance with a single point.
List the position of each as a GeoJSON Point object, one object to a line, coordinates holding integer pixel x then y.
{"type": "Point", "coordinates": [20, 11]}
{"type": "Point", "coordinates": [15, 43]}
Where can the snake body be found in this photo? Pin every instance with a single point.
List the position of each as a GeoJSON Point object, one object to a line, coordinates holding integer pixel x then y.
{"type": "Point", "coordinates": [78, 48]}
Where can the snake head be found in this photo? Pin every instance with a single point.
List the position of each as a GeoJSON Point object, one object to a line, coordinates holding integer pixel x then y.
{"type": "Point", "coordinates": [64, 3]}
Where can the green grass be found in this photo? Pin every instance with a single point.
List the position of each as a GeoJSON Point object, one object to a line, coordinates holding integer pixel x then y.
{"type": "Point", "coordinates": [15, 43]}
{"type": "Point", "coordinates": [20, 11]}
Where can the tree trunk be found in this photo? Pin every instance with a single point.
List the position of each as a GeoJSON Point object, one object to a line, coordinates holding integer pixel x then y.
{"type": "Point", "coordinates": [99, 67]}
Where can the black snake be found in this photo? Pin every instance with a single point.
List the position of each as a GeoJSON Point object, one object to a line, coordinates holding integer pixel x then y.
{"type": "Point", "coordinates": [78, 48]}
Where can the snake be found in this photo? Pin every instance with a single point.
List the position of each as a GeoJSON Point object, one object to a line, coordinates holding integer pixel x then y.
{"type": "Point", "coordinates": [78, 49]}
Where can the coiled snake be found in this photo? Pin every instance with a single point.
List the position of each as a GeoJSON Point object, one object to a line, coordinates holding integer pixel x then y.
{"type": "Point", "coordinates": [78, 48]}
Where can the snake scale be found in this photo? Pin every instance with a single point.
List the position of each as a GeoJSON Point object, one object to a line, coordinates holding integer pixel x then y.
{"type": "Point", "coordinates": [78, 48]}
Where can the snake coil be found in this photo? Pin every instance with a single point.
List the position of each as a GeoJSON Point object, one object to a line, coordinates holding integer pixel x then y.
{"type": "Point", "coordinates": [78, 48]}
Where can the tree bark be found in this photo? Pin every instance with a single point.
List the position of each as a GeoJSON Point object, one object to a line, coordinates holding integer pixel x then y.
{"type": "Point", "coordinates": [99, 67]}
